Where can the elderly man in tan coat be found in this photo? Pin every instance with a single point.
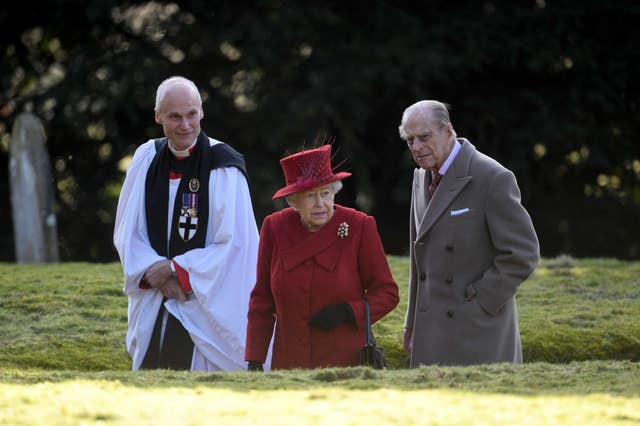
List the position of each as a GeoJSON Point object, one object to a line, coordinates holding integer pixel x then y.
{"type": "Point", "coordinates": [472, 244]}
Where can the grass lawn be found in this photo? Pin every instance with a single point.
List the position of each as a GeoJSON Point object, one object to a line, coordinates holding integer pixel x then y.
{"type": "Point", "coordinates": [62, 361]}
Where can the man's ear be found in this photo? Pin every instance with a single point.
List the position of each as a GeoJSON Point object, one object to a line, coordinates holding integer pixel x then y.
{"type": "Point", "coordinates": [449, 129]}
{"type": "Point", "coordinates": [158, 118]}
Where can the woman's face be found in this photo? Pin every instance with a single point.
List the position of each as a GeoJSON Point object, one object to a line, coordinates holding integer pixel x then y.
{"type": "Point", "coordinates": [315, 206]}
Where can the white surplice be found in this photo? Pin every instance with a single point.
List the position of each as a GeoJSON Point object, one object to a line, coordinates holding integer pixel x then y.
{"type": "Point", "coordinates": [221, 274]}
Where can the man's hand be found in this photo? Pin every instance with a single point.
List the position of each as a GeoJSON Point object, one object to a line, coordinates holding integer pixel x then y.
{"type": "Point", "coordinates": [407, 339]}
{"type": "Point", "coordinates": [158, 274]}
{"type": "Point", "coordinates": [172, 290]}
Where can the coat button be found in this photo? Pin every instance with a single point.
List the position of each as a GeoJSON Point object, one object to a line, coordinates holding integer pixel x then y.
{"type": "Point", "coordinates": [450, 313]}
{"type": "Point", "coordinates": [423, 276]}
{"type": "Point", "coordinates": [449, 247]}
{"type": "Point", "coordinates": [448, 280]}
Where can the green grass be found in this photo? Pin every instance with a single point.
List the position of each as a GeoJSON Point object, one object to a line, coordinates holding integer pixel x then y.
{"type": "Point", "coordinates": [570, 310]}
{"type": "Point", "coordinates": [581, 393]}
{"type": "Point", "coordinates": [581, 310]}
{"type": "Point", "coordinates": [63, 316]}
{"type": "Point", "coordinates": [63, 361]}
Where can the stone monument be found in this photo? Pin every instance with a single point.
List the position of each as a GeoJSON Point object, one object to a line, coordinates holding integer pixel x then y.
{"type": "Point", "coordinates": [32, 196]}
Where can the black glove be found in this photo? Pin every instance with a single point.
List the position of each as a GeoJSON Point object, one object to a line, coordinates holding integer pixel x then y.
{"type": "Point", "coordinates": [255, 366]}
{"type": "Point", "coordinates": [332, 316]}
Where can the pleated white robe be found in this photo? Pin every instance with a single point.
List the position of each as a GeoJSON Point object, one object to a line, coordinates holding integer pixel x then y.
{"type": "Point", "coordinates": [221, 274]}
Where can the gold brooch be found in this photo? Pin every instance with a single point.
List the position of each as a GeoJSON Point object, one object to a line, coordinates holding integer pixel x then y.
{"type": "Point", "coordinates": [343, 230]}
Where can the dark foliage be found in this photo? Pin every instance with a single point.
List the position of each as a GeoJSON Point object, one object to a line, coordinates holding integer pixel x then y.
{"type": "Point", "coordinates": [549, 89]}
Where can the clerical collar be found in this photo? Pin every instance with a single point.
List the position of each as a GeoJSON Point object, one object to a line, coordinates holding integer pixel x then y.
{"type": "Point", "coordinates": [185, 152]}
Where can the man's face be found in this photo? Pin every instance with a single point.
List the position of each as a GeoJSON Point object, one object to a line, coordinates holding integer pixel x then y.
{"type": "Point", "coordinates": [430, 143]}
{"type": "Point", "coordinates": [180, 114]}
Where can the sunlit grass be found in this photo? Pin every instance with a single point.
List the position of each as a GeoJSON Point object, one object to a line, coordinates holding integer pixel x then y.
{"type": "Point", "coordinates": [114, 403]}
{"type": "Point", "coordinates": [63, 316]}
{"type": "Point", "coordinates": [73, 315]}
{"type": "Point", "coordinates": [585, 393]}
{"type": "Point", "coordinates": [62, 361]}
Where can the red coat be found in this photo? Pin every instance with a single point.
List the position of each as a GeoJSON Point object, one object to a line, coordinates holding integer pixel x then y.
{"type": "Point", "coordinates": [300, 272]}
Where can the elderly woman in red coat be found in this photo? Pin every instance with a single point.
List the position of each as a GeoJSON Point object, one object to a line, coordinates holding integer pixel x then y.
{"type": "Point", "coordinates": [316, 262]}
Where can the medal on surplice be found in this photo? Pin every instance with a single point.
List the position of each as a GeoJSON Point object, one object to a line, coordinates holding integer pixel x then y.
{"type": "Point", "coordinates": [188, 221]}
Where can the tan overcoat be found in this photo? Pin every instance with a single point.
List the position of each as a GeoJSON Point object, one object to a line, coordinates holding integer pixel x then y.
{"type": "Point", "coordinates": [471, 247]}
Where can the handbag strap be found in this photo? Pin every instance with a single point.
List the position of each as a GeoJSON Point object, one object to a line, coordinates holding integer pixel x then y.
{"type": "Point", "coordinates": [370, 340]}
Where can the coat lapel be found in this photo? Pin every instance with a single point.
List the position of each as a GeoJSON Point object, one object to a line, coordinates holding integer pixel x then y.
{"type": "Point", "coordinates": [315, 245]}
{"type": "Point", "coordinates": [452, 183]}
{"type": "Point", "coordinates": [420, 194]}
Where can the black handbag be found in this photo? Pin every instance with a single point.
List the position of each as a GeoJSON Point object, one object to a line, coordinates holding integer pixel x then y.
{"type": "Point", "coordinates": [371, 355]}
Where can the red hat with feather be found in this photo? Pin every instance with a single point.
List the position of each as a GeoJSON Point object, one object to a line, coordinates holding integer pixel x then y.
{"type": "Point", "coordinates": [308, 169]}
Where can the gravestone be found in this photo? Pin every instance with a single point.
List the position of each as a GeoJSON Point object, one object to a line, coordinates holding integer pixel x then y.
{"type": "Point", "coordinates": [34, 219]}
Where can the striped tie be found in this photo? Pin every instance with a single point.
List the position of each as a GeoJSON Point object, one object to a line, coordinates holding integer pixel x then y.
{"type": "Point", "coordinates": [435, 180]}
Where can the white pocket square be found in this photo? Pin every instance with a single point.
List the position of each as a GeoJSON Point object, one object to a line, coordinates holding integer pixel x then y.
{"type": "Point", "coordinates": [459, 212]}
